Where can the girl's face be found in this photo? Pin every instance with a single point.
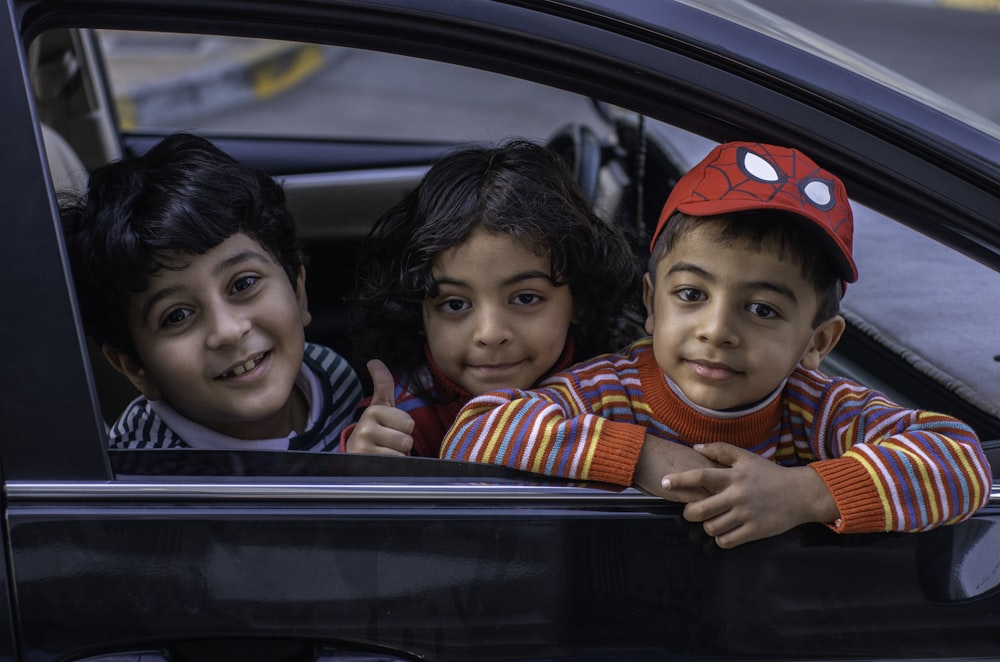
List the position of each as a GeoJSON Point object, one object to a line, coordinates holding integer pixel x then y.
{"type": "Point", "coordinates": [497, 321]}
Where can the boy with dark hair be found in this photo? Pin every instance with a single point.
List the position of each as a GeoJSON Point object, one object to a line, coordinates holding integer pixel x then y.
{"type": "Point", "coordinates": [723, 407]}
{"type": "Point", "coordinates": [190, 278]}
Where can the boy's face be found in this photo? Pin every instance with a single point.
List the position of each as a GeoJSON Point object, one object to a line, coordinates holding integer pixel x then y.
{"type": "Point", "coordinates": [222, 339]}
{"type": "Point", "coordinates": [729, 324]}
{"type": "Point", "coordinates": [498, 321]}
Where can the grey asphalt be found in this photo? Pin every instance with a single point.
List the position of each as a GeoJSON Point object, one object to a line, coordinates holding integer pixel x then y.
{"type": "Point", "coordinates": [171, 79]}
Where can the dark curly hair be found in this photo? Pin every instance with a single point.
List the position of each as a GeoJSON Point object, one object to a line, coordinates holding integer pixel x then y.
{"type": "Point", "coordinates": [520, 189]}
{"type": "Point", "coordinates": [141, 215]}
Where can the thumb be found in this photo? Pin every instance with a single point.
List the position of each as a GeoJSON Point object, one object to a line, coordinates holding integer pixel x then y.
{"type": "Point", "coordinates": [383, 385]}
{"type": "Point", "coordinates": [725, 454]}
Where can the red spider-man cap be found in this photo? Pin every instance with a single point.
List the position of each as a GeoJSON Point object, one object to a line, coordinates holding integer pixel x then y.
{"type": "Point", "coordinates": [741, 176]}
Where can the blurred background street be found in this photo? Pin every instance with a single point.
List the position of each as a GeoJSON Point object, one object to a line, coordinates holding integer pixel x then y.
{"type": "Point", "coordinates": [948, 47]}
{"type": "Point", "coordinates": [210, 82]}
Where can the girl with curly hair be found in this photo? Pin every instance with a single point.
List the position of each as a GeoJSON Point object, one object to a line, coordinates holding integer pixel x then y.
{"type": "Point", "coordinates": [493, 273]}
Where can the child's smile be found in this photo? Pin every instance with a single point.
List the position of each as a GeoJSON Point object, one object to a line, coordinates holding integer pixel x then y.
{"type": "Point", "coordinates": [247, 368]}
{"type": "Point", "coordinates": [221, 339]}
{"type": "Point", "coordinates": [712, 370]}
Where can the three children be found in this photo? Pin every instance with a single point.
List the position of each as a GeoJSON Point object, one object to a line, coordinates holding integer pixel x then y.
{"type": "Point", "coordinates": [490, 279]}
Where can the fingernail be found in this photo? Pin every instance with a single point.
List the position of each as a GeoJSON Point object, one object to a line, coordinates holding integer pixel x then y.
{"type": "Point", "coordinates": [698, 446]}
{"type": "Point", "coordinates": [665, 483]}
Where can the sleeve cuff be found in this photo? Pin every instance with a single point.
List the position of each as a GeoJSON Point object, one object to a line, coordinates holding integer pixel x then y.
{"type": "Point", "coordinates": [616, 453]}
{"type": "Point", "coordinates": [862, 509]}
{"type": "Point", "coordinates": [345, 434]}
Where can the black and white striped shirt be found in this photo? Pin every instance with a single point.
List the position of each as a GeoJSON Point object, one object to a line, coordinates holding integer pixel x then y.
{"type": "Point", "coordinates": [331, 387]}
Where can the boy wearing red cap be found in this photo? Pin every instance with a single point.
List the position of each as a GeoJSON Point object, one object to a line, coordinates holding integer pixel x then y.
{"type": "Point", "coordinates": [723, 407]}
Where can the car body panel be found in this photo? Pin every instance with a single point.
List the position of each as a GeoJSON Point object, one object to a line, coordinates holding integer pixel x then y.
{"type": "Point", "coordinates": [446, 572]}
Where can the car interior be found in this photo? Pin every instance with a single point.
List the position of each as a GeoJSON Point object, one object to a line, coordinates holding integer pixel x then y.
{"type": "Point", "coordinates": [338, 187]}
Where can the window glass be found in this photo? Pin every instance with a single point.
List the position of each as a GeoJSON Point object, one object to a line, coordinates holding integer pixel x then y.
{"type": "Point", "coordinates": [271, 88]}
{"type": "Point", "coordinates": [931, 300]}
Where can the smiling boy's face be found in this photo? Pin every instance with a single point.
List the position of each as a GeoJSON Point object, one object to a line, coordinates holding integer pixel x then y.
{"type": "Point", "coordinates": [222, 340]}
{"type": "Point", "coordinates": [729, 324]}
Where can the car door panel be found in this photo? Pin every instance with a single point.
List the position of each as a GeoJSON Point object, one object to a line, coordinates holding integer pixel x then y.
{"type": "Point", "coordinates": [469, 572]}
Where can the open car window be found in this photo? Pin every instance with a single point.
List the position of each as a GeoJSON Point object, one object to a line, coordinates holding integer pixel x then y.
{"type": "Point", "coordinates": [266, 88]}
{"type": "Point", "coordinates": [350, 131]}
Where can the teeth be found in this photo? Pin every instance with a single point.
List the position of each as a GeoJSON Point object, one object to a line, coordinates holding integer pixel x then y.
{"type": "Point", "coordinates": [249, 365]}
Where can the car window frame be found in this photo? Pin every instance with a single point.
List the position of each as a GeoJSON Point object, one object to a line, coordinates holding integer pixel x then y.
{"type": "Point", "coordinates": [22, 464]}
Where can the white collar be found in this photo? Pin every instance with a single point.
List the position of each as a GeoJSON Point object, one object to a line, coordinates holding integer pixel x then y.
{"type": "Point", "coordinates": [728, 413]}
{"type": "Point", "coordinates": [196, 435]}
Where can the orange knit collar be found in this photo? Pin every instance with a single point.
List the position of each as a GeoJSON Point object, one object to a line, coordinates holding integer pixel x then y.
{"type": "Point", "coordinates": [696, 427]}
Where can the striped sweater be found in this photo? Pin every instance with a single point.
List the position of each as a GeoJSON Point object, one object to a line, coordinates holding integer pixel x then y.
{"type": "Point", "coordinates": [888, 468]}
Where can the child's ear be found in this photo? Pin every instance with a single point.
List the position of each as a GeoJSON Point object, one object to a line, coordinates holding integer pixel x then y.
{"type": "Point", "coordinates": [825, 338]}
{"type": "Point", "coordinates": [121, 362]}
{"type": "Point", "coordinates": [647, 300]}
{"type": "Point", "coordinates": [300, 296]}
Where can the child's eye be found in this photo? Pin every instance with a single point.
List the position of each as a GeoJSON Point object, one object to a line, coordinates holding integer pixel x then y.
{"type": "Point", "coordinates": [526, 298]}
{"type": "Point", "coordinates": [762, 310]}
{"type": "Point", "coordinates": [454, 305]}
{"type": "Point", "coordinates": [690, 294]}
{"type": "Point", "coordinates": [244, 283]}
{"type": "Point", "coordinates": [175, 317]}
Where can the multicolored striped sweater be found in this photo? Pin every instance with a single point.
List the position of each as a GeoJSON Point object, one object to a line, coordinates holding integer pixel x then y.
{"type": "Point", "coordinates": [888, 468]}
{"type": "Point", "coordinates": [433, 401]}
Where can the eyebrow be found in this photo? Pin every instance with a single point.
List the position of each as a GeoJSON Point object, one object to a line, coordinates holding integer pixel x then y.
{"type": "Point", "coordinates": [231, 261]}
{"type": "Point", "coordinates": [512, 280]}
{"type": "Point", "coordinates": [778, 288]}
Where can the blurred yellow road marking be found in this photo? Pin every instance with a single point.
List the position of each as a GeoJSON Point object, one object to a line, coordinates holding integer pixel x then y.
{"type": "Point", "coordinates": [975, 5]}
{"type": "Point", "coordinates": [275, 77]}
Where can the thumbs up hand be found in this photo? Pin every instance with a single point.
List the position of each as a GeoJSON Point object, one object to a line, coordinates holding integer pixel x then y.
{"type": "Point", "coordinates": [383, 429]}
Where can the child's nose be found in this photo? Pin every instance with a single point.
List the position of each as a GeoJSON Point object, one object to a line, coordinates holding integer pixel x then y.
{"type": "Point", "coordinates": [227, 326]}
{"type": "Point", "coordinates": [719, 325]}
{"type": "Point", "coordinates": [492, 327]}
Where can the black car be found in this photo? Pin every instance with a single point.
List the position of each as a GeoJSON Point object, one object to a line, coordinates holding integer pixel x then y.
{"type": "Point", "coordinates": [202, 555]}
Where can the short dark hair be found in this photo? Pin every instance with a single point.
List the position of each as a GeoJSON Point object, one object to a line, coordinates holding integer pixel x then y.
{"type": "Point", "coordinates": [141, 215]}
{"type": "Point", "coordinates": [793, 238]}
{"type": "Point", "coordinates": [520, 189]}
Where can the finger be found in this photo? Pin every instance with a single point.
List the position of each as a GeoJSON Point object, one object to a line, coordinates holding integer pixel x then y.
{"type": "Point", "coordinates": [710, 481]}
{"type": "Point", "coordinates": [385, 451]}
{"type": "Point", "coordinates": [735, 537]}
{"type": "Point", "coordinates": [387, 416]}
{"type": "Point", "coordinates": [722, 524]}
{"type": "Point", "coordinates": [725, 454]}
{"type": "Point", "coordinates": [392, 443]}
{"type": "Point", "coordinates": [375, 436]}
{"type": "Point", "coordinates": [383, 385]}
{"type": "Point", "coordinates": [706, 509]}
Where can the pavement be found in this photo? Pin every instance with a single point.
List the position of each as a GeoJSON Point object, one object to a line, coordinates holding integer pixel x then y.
{"type": "Point", "coordinates": [170, 79]}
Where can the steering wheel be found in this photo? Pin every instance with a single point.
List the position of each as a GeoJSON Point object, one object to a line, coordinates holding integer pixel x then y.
{"type": "Point", "coordinates": [581, 149]}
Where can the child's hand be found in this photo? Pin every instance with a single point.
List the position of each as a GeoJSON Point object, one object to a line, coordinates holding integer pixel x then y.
{"type": "Point", "coordinates": [383, 429]}
{"type": "Point", "coordinates": [752, 497]}
{"type": "Point", "coordinates": [659, 457]}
